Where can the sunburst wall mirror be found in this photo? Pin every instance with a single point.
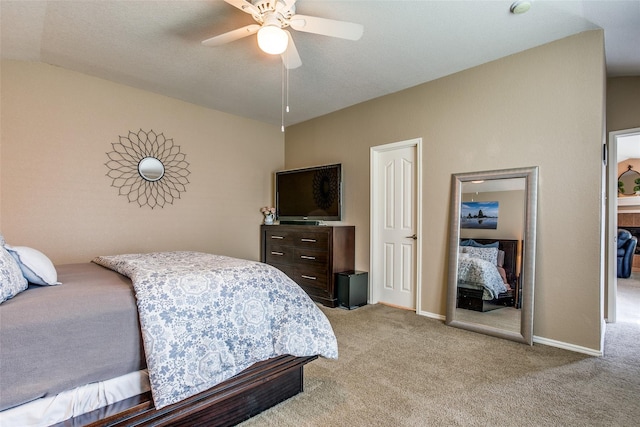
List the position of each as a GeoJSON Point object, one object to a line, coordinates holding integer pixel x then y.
{"type": "Point", "coordinates": [148, 168]}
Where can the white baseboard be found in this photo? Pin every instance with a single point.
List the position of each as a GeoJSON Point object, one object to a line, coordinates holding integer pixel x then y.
{"type": "Point", "coordinates": [536, 339]}
{"type": "Point", "coordinates": [567, 346]}
{"type": "Point", "coordinates": [432, 315]}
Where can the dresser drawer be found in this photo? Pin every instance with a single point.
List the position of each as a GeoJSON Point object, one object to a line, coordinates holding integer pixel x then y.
{"type": "Point", "coordinates": [310, 257]}
{"type": "Point", "coordinates": [314, 277]}
{"type": "Point", "coordinates": [285, 268]}
{"type": "Point", "coordinates": [310, 239]}
{"type": "Point", "coordinates": [279, 254]}
{"type": "Point", "coordinates": [275, 236]}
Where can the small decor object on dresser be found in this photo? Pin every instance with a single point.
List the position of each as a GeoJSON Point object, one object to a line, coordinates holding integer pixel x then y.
{"type": "Point", "coordinates": [269, 214]}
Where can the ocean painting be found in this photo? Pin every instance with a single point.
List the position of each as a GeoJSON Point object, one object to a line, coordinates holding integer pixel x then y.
{"type": "Point", "coordinates": [479, 215]}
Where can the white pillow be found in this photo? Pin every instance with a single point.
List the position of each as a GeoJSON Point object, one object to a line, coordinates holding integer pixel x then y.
{"type": "Point", "coordinates": [35, 266]}
{"type": "Point", "coordinates": [12, 282]}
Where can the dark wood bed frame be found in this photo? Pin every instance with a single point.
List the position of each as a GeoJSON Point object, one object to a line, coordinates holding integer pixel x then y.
{"type": "Point", "coordinates": [253, 390]}
{"type": "Point", "coordinates": [471, 299]}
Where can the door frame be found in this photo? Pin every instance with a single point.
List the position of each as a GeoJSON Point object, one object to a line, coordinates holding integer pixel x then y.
{"type": "Point", "coordinates": [612, 223]}
{"type": "Point", "coordinates": [374, 218]}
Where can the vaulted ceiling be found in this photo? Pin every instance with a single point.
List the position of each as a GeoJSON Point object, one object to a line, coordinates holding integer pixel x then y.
{"type": "Point", "coordinates": [156, 46]}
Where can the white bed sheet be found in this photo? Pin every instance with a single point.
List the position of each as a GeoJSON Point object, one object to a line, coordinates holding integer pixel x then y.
{"type": "Point", "coordinates": [71, 403]}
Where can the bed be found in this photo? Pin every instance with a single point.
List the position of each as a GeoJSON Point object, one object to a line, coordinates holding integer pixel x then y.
{"type": "Point", "coordinates": [93, 355]}
{"type": "Point", "coordinates": [487, 274]}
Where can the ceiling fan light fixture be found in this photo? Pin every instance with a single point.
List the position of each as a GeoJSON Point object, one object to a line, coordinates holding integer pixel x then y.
{"type": "Point", "coordinates": [519, 7]}
{"type": "Point", "coordinates": [272, 39]}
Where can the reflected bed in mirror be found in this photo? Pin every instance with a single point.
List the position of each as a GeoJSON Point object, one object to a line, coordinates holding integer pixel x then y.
{"type": "Point", "coordinates": [492, 252]}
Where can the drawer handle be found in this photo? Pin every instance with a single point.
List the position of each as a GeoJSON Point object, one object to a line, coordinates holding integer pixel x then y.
{"type": "Point", "coordinates": [309, 277]}
{"type": "Point", "coordinates": [277, 237]}
{"type": "Point", "coordinates": [307, 257]}
{"type": "Point", "coordinates": [308, 240]}
{"type": "Point", "coordinates": [276, 253]}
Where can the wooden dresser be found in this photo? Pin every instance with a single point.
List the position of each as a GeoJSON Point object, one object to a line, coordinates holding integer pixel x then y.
{"type": "Point", "coordinates": [311, 255]}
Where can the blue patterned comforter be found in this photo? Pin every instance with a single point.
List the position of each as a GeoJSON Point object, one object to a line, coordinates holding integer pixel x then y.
{"type": "Point", "coordinates": [476, 272]}
{"type": "Point", "coordinates": [205, 318]}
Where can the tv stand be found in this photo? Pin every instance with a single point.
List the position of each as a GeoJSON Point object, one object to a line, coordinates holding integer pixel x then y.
{"type": "Point", "coordinates": [300, 222]}
{"type": "Point", "coordinates": [311, 255]}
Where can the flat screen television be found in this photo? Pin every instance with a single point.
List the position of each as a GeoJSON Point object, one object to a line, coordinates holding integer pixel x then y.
{"type": "Point", "coordinates": [309, 194]}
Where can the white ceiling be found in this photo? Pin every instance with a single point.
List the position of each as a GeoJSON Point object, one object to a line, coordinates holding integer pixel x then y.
{"type": "Point", "coordinates": [628, 147]}
{"type": "Point", "coordinates": [493, 185]}
{"type": "Point", "coordinates": [155, 46]}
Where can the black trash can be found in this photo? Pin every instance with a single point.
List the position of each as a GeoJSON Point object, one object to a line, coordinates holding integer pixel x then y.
{"type": "Point", "coordinates": [353, 288]}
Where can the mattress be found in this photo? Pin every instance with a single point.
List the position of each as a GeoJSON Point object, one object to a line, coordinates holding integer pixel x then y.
{"type": "Point", "coordinates": [81, 400]}
{"type": "Point", "coordinates": [55, 338]}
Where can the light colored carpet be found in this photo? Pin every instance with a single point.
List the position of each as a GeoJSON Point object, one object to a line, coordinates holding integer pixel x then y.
{"type": "Point", "coordinates": [628, 300]}
{"type": "Point", "coordinates": [399, 369]}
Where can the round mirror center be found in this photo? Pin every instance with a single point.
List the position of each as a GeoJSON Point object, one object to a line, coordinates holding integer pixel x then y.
{"type": "Point", "coordinates": [151, 169]}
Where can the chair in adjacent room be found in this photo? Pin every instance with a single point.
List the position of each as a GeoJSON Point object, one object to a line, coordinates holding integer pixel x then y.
{"type": "Point", "coordinates": [626, 247]}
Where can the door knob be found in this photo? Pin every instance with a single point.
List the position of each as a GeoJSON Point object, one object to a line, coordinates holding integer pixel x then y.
{"type": "Point", "coordinates": [414, 237]}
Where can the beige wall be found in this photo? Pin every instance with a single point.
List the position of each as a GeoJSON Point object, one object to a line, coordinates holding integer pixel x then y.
{"type": "Point", "coordinates": [623, 103]}
{"type": "Point", "coordinates": [57, 127]}
{"type": "Point", "coordinates": [543, 107]}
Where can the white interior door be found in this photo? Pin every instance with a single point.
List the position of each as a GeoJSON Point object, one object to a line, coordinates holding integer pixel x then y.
{"type": "Point", "coordinates": [394, 225]}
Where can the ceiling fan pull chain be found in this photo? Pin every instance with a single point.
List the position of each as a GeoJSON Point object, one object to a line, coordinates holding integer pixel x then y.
{"type": "Point", "coordinates": [282, 100]}
{"type": "Point", "coordinates": [287, 71]}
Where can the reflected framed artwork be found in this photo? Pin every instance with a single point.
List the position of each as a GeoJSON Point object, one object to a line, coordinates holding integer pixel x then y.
{"type": "Point", "coordinates": [482, 215]}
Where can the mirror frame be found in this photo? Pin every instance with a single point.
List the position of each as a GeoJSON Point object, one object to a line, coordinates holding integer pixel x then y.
{"type": "Point", "coordinates": [527, 274]}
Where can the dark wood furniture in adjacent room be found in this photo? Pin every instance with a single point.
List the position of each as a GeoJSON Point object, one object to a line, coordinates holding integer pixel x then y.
{"type": "Point", "coordinates": [311, 255]}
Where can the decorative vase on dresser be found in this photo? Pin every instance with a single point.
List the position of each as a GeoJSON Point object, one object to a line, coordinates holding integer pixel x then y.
{"type": "Point", "coordinates": [311, 255]}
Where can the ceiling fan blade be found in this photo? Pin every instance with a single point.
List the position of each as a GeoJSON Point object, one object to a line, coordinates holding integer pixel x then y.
{"type": "Point", "coordinates": [289, 3]}
{"type": "Point", "coordinates": [244, 6]}
{"type": "Point", "coordinates": [290, 57]}
{"type": "Point", "coordinates": [326, 27]}
{"type": "Point", "coordinates": [232, 35]}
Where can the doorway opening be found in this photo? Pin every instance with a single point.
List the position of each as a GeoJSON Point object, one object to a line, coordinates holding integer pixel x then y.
{"type": "Point", "coordinates": [623, 146]}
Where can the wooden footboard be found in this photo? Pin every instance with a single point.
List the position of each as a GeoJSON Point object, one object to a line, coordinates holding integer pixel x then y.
{"type": "Point", "coordinates": [253, 390]}
{"type": "Point", "coordinates": [471, 299]}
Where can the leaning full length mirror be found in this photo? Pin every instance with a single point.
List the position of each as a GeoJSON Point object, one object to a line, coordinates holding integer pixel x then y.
{"type": "Point", "coordinates": [492, 252]}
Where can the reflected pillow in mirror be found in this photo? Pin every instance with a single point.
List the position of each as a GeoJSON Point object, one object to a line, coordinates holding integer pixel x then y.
{"type": "Point", "coordinates": [12, 282]}
{"type": "Point", "coordinates": [487, 254]}
{"type": "Point", "coordinates": [35, 266]}
{"type": "Point", "coordinates": [471, 242]}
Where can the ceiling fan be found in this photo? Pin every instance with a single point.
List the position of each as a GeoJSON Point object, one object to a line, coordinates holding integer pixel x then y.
{"type": "Point", "coordinates": [272, 17]}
